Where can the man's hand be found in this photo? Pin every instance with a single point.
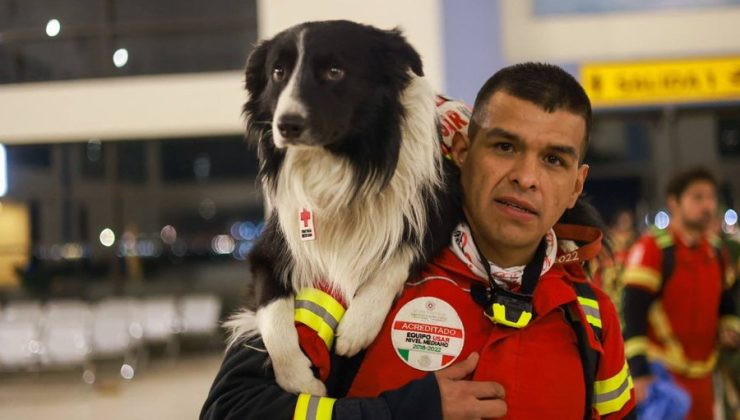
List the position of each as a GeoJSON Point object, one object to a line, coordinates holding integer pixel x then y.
{"type": "Point", "coordinates": [641, 384]}
{"type": "Point", "coordinates": [465, 399]}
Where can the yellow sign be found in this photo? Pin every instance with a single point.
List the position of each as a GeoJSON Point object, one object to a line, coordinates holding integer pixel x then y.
{"type": "Point", "coordinates": [662, 82]}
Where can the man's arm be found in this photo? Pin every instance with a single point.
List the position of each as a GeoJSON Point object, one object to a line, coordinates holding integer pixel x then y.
{"type": "Point", "coordinates": [245, 388]}
{"type": "Point", "coordinates": [614, 396]}
{"type": "Point", "coordinates": [642, 280]}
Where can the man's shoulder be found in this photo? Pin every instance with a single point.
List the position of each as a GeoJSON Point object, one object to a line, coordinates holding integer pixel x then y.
{"type": "Point", "coordinates": [606, 305]}
{"type": "Point", "coordinates": [585, 288]}
{"type": "Point", "coordinates": [655, 239]}
{"type": "Point", "coordinates": [647, 252]}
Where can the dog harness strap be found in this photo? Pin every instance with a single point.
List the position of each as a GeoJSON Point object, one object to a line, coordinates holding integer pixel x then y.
{"type": "Point", "coordinates": [310, 407]}
{"type": "Point", "coordinates": [319, 311]}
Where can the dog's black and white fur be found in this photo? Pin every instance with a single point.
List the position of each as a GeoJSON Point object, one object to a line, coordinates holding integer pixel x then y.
{"type": "Point", "coordinates": [345, 125]}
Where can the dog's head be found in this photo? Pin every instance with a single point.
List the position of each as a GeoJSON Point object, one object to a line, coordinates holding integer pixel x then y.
{"type": "Point", "coordinates": [326, 83]}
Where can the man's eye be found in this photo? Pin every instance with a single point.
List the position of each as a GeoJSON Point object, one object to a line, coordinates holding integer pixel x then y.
{"type": "Point", "coordinates": [278, 74]}
{"type": "Point", "coordinates": [504, 147]}
{"type": "Point", "coordinates": [554, 160]}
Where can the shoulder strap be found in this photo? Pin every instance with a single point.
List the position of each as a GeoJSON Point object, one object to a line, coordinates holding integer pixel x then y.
{"type": "Point", "coordinates": [664, 240]}
{"type": "Point", "coordinates": [589, 357]}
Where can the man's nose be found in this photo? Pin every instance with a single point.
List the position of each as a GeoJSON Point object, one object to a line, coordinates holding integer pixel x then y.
{"type": "Point", "coordinates": [525, 173]}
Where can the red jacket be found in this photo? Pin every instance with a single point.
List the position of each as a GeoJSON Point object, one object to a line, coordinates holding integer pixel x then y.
{"type": "Point", "coordinates": [539, 365]}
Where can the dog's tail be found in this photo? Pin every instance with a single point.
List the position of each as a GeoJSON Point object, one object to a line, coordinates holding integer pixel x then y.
{"type": "Point", "coordinates": [241, 326]}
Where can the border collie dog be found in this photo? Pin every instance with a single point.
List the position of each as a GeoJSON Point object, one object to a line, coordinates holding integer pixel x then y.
{"type": "Point", "coordinates": [346, 133]}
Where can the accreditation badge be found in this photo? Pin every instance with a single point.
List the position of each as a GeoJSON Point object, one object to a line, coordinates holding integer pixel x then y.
{"type": "Point", "coordinates": [427, 334]}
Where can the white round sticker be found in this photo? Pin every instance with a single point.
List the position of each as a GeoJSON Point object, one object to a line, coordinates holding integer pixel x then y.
{"type": "Point", "coordinates": [427, 334]}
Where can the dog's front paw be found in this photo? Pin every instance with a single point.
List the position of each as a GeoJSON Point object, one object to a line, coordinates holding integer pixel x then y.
{"type": "Point", "coordinates": [296, 376]}
{"type": "Point", "coordinates": [356, 331]}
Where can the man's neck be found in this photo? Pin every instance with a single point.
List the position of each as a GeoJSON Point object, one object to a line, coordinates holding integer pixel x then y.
{"type": "Point", "coordinates": [506, 256]}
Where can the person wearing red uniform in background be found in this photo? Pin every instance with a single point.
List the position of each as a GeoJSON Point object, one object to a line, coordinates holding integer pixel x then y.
{"type": "Point", "coordinates": [678, 305]}
{"type": "Point", "coordinates": [504, 322]}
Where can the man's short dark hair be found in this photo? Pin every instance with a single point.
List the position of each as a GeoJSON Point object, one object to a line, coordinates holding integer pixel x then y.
{"type": "Point", "coordinates": [545, 85]}
{"type": "Point", "coordinates": [682, 180]}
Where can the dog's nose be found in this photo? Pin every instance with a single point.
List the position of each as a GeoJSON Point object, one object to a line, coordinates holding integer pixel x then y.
{"type": "Point", "coordinates": [291, 126]}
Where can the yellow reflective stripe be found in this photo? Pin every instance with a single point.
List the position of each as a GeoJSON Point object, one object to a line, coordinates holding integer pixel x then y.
{"type": "Point", "coordinates": [588, 302]}
{"type": "Point", "coordinates": [596, 322]}
{"type": "Point", "coordinates": [611, 394]}
{"type": "Point", "coordinates": [662, 327]}
{"type": "Point", "coordinates": [324, 300]}
{"type": "Point", "coordinates": [301, 407]}
{"type": "Point", "coordinates": [591, 309]}
{"type": "Point", "coordinates": [635, 346]}
{"type": "Point", "coordinates": [316, 323]}
{"type": "Point", "coordinates": [678, 363]}
{"type": "Point", "coordinates": [662, 238]}
{"type": "Point", "coordinates": [310, 407]}
{"type": "Point", "coordinates": [642, 276]}
{"type": "Point", "coordinates": [672, 354]}
{"type": "Point", "coordinates": [320, 312]}
{"type": "Point", "coordinates": [325, 408]}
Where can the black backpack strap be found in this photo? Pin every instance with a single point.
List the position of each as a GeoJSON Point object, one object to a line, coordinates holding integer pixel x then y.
{"type": "Point", "coordinates": [589, 357]}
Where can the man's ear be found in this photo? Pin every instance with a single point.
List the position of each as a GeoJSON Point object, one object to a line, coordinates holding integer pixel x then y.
{"type": "Point", "coordinates": [578, 187]}
{"type": "Point", "coordinates": [460, 147]}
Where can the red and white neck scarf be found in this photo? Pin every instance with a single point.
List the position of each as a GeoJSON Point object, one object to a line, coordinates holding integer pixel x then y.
{"type": "Point", "coordinates": [510, 278]}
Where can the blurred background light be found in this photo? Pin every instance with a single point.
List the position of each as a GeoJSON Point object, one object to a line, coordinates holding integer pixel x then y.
{"type": "Point", "coordinates": [107, 237]}
{"type": "Point", "coordinates": [120, 57]}
{"type": "Point", "coordinates": [662, 220]}
{"type": "Point", "coordinates": [730, 217]}
{"type": "Point", "coordinates": [53, 27]}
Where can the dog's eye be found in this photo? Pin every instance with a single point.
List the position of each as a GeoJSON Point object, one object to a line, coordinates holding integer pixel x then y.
{"type": "Point", "coordinates": [334, 74]}
{"type": "Point", "coordinates": [278, 74]}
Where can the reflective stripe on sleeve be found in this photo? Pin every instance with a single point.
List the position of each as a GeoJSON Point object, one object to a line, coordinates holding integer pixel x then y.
{"type": "Point", "coordinates": [310, 407]}
{"type": "Point", "coordinates": [642, 276]}
{"type": "Point", "coordinates": [591, 309]}
{"type": "Point", "coordinates": [635, 346]}
{"type": "Point", "coordinates": [319, 311]}
{"type": "Point", "coordinates": [611, 394]}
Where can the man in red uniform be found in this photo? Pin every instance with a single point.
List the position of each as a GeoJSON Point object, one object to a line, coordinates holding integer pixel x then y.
{"type": "Point", "coordinates": [503, 323]}
{"type": "Point", "coordinates": [676, 294]}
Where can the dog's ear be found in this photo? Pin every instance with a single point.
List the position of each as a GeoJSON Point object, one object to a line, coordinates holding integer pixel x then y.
{"type": "Point", "coordinates": [403, 52]}
{"type": "Point", "coordinates": [256, 78]}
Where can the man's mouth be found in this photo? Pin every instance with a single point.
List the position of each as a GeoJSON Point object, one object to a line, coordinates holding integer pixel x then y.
{"type": "Point", "coordinates": [518, 205]}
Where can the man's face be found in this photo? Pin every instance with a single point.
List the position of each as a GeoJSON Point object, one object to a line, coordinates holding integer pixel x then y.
{"type": "Point", "coordinates": [520, 172]}
{"type": "Point", "coordinates": [696, 206]}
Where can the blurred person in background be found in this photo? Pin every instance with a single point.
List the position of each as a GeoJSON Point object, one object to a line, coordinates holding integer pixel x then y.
{"type": "Point", "coordinates": [622, 235]}
{"type": "Point", "coordinates": [678, 305]}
